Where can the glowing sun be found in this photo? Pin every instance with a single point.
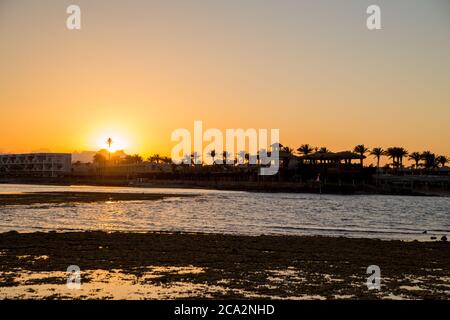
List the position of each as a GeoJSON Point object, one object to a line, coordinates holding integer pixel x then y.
{"type": "Point", "coordinates": [111, 142]}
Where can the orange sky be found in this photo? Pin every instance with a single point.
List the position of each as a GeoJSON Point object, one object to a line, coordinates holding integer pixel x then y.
{"type": "Point", "coordinates": [139, 70]}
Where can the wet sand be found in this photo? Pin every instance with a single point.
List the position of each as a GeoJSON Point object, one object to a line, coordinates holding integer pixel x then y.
{"type": "Point", "coordinates": [80, 197]}
{"type": "Point", "coordinates": [180, 265]}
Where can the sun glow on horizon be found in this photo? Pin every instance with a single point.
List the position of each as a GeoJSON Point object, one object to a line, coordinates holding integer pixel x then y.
{"type": "Point", "coordinates": [123, 134]}
{"type": "Point", "coordinates": [269, 66]}
{"type": "Point", "coordinates": [118, 142]}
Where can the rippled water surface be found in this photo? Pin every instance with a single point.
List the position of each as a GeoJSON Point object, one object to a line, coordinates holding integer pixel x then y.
{"type": "Point", "coordinates": [375, 216]}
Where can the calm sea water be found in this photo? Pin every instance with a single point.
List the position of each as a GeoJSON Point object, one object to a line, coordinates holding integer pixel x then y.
{"type": "Point", "coordinates": [375, 216]}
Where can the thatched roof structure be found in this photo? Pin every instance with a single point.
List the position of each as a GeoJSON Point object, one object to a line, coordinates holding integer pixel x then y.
{"type": "Point", "coordinates": [343, 155]}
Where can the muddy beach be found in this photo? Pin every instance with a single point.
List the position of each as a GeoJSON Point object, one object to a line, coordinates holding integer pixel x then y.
{"type": "Point", "coordinates": [181, 265]}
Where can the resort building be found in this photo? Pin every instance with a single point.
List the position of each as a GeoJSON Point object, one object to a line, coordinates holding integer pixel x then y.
{"type": "Point", "coordinates": [36, 164]}
{"type": "Point", "coordinates": [344, 160]}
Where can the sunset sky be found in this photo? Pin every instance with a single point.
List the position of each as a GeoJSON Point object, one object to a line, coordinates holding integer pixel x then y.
{"type": "Point", "coordinates": [137, 70]}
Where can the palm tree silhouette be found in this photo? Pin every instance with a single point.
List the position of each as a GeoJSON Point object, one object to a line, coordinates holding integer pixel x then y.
{"type": "Point", "coordinates": [247, 158]}
{"type": "Point", "coordinates": [429, 159]}
{"type": "Point", "coordinates": [287, 153]}
{"type": "Point", "coordinates": [225, 155]}
{"type": "Point", "coordinates": [416, 157]}
{"type": "Point", "coordinates": [361, 150]}
{"type": "Point", "coordinates": [377, 153]}
{"type": "Point", "coordinates": [109, 143]}
{"type": "Point", "coordinates": [212, 154]}
{"type": "Point", "coordinates": [305, 149]}
{"type": "Point", "coordinates": [392, 154]}
{"type": "Point", "coordinates": [401, 153]}
{"type": "Point", "coordinates": [261, 156]}
{"type": "Point", "coordinates": [442, 160]}
{"type": "Point", "coordinates": [155, 158]}
{"type": "Point", "coordinates": [288, 150]}
{"type": "Point", "coordinates": [137, 158]}
{"type": "Point", "coordinates": [397, 154]}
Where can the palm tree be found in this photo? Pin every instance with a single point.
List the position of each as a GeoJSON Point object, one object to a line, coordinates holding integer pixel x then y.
{"type": "Point", "coordinates": [442, 160]}
{"type": "Point", "coordinates": [416, 157]}
{"type": "Point", "coordinates": [401, 153]}
{"type": "Point", "coordinates": [155, 158]}
{"type": "Point", "coordinates": [136, 158]}
{"type": "Point", "coordinates": [247, 158]}
{"type": "Point", "coordinates": [392, 154]}
{"type": "Point", "coordinates": [429, 159]}
{"type": "Point", "coordinates": [212, 154]}
{"type": "Point", "coordinates": [287, 153]}
{"type": "Point", "coordinates": [225, 156]}
{"type": "Point", "coordinates": [324, 150]}
{"type": "Point", "coordinates": [288, 150]}
{"type": "Point", "coordinates": [166, 159]}
{"type": "Point", "coordinates": [259, 155]}
{"type": "Point", "coordinates": [377, 153]}
{"type": "Point", "coordinates": [305, 149]}
{"type": "Point", "coordinates": [361, 150]}
{"type": "Point", "coordinates": [397, 154]}
{"type": "Point", "coordinates": [109, 143]}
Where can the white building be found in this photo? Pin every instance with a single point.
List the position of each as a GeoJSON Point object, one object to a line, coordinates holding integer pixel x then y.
{"type": "Point", "coordinates": [36, 164]}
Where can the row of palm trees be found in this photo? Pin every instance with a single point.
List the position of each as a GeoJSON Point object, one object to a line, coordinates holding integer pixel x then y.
{"type": "Point", "coordinates": [424, 159]}
{"type": "Point", "coordinates": [159, 159]}
{"type": "Point", "coordinates": [396, 154]}
{"type": "Point", "coordinates": [116, 158]}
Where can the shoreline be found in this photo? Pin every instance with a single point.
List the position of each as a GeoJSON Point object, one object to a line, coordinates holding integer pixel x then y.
{"type": "Point", "coordinates": [220, 266]}
{"type": "Point", "coordinates": [272, 187]}
{"type": "Point", "coordinates": [57, 197]}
